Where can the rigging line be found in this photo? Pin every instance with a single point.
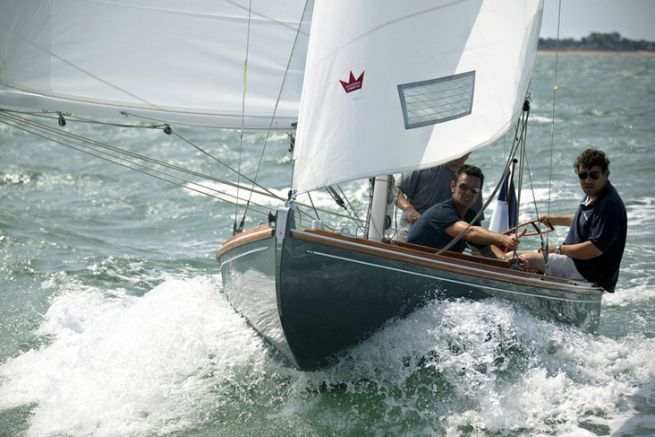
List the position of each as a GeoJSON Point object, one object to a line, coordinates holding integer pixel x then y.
{"type": "Point", "coordinates": [327, 211]}
{"type": "Point", "coordinates": [131, 165]}
{"type": "Point", "coordinates": [235, 171]}
{"type": "Point", "coordinates": [534, 197]}
{"type": "Point", "coordinates": [324, 211]}
{"type": "Point", "coordinates": [236, 229]}
{"type": "Point", "coordinates": [552, 124]}
{"type": "Point", "coordinates": [343, 196]}
{"type": "Point", "coordinates": [371, 182]}
{"type": "Point", "coordinates": [89, 143]}
{"type": "Point", "coordinates": [81, 139]}
{"type": "Point", "coordinates": [73, 137]}
{"type": "Point", "coordinates": [265, 17]}
{"type": "Point", "coordinates": [277, 102]}
{"type": "Point", "coordinates": [199, 124]}
{"type": "Point", "coordinates": [120, 151]}
{"type": "Point", "coordinates": [339, 201]}
{"type": "Point", "coordinates": [335, 196]}
{"type": "Point", "coordinates": [512, 152]}
{"type": "Point", "coordinates": [522, 161]}
{"type": "Point", "coordinates": [534, 200]}
{"type": "Point", "coordinates": [313, 206]}
{"type": "Point", "coordinates": [114, 158]}
{"type": "Point", "coordinates": [522, 141]}
{"type": "Point", "coordinates": [515, 144]}
{"type": "Point", "coordinates": [125, 152]}
{"type": "Point", "coordinates": [77, 119]}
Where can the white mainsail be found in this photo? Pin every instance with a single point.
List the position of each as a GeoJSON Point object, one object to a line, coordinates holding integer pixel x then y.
{"type": "Point", "coordinates": [172, 61]}
{"type": "Point", "coordinates": [392, 86]}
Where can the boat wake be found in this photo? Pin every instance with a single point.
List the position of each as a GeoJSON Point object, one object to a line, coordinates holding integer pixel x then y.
{"type": "Point", "coordinates": [178, 358]}
{"type": "Point", "coordinates": [127, 365]}
{"type": "Point", "coordinates": [490, 366]}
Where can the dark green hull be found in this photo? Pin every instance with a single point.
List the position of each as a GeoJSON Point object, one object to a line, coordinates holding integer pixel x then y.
{"type": "Point", "coordinates": [248, 273]}
{"type": "Point", "coordinates": [324, 292]}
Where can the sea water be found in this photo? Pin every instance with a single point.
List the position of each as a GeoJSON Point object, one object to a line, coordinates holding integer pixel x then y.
{"type": "Point", "coordinates": [112, 321]}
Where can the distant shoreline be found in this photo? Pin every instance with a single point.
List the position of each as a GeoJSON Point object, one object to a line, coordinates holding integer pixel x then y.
{"type": "Point", "coordinates": [596, 53]}
{"type": "Point", "coordinates": [598, 44]}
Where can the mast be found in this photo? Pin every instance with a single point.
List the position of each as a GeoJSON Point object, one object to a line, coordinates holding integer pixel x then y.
{"type": "Point", "coordinates": [377, 218]}
{"type": "Point", "coordinates": [522, 139]}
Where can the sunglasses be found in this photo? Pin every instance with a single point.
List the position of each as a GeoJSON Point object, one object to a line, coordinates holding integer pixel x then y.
{"type": "Point", "coordinates": [594, 175]}
{"type": "Point", "coordinates": [465, 187]}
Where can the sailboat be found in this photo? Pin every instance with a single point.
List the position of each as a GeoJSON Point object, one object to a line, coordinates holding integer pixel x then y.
{"type": "Point", "coordinates": [375, 88]}
{"type": "Point", "coordinates": [389, 89]}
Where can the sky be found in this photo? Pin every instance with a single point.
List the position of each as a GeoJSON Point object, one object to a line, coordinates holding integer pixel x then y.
{"type": "Point", "coordinates": [633, 19]}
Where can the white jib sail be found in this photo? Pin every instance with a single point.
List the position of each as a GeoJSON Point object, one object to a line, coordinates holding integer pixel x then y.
{"type": "Point", "coordinates": [393, 86]}
{"type": "Point", "coordinates": [173, 61]}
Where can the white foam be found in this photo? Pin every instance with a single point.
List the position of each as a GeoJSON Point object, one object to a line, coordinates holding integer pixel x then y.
{"type": "Point", "coordinates": [640, 292]}
{"type": "Point", "coordinates": [178, 357]}
{"type": "Point", "coordinates": [229, 193]}
{"type": "Point", "coordinates": [128, 365]}
{"type": "Point", "coordinates": [508, 371]}
{"type": "Point", "coordinates": [540, 119]}
{"type": "Point", "coordinates": [14, 177]}
{"type": "Point", "coordinates": [640, 215]}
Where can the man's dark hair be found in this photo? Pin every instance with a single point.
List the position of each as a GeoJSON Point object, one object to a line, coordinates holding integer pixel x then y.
{"type": "Point", "coordinates": [592, 157]}
{"type": "Point", "coordinates": [469, 170]}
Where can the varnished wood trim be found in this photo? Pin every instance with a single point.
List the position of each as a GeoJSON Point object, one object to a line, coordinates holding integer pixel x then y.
{"type": "Point", "coordinates": [413, 248]}
{"type": "Point", "coordinates": [465, 256]}
{"type": "Point", "coordinates": [422, 257]}
{"type": "Point", "coordinates": [251, 235]}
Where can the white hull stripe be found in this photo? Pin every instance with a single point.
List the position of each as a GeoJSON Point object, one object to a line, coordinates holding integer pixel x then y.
{"type": "Point", "coordinates": [234, 258]}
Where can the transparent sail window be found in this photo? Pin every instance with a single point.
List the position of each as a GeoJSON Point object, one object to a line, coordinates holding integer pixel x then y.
{"type": "Point", "coordinates": [437, 100]}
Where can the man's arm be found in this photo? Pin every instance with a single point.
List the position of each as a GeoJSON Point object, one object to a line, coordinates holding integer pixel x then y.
{"type": "Point", "coordinates": [585, 250]}
{"type": "Point", "coordinates": [557, 220]}
{"type": "Point", "coordinates": [404, 204]}
{"type": "Point", "coordinates": [534, 261]}
{"type": "Point", "coordinates": [480, 235]}
{"type": "Point", "coordinates": [491, 251]}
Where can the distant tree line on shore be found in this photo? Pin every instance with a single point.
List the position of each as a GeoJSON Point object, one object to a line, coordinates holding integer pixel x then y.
{"type": "Point", "coordinates": [597, 41]}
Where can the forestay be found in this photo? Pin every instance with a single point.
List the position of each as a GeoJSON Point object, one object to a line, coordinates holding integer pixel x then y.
{"type": "Point", "coordinates": [173, 61]}
{"type": "Point", "coordinates": [393, 86]}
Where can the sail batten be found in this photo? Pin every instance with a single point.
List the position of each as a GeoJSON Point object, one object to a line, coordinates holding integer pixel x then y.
{"type": "Point", "coordinates": [173, 61]}
{"type": "Point", "coordinates": [447, 78]}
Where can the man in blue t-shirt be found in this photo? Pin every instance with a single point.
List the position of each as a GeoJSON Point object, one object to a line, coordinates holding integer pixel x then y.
{"type": "Point", "coordinates": [440, 224]}
{"type": "Point", "coordinates": [593, 249]}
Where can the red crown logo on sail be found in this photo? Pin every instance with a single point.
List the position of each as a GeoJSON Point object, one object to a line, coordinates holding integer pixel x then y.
{"type": "Point", "coordinates": [353, 84]}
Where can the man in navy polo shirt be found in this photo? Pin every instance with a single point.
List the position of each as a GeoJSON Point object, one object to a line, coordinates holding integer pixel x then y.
{"type": "Point", "coordinates": [443, 222]}
{"type": "Point", "coordinates": [421, 189]}
{"type": "Point", "coordinates": [593, 249]}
